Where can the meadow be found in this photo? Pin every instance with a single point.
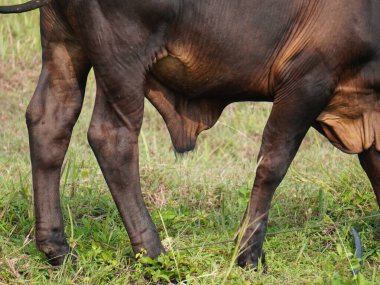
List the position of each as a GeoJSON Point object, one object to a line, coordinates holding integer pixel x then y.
{"type": "Point", "coordinates": [196, 200]}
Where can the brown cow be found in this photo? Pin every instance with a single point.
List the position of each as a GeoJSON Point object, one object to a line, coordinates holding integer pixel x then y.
{"type": "Point", "coordinates": [318, 61]}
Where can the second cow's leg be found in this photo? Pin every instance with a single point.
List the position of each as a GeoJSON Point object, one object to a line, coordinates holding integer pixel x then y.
{"type": "Point", "coordinates": [113, 136]}
{"type": "Point", "coordinates": [296, 106]}
{"type": "Point", "coordinates": [370, 161]}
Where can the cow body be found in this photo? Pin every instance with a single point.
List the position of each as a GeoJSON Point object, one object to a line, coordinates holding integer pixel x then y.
{"type": "Point", "coordinates": [229, 52]}
{"type": "Point", "coordinates": [318, 61]}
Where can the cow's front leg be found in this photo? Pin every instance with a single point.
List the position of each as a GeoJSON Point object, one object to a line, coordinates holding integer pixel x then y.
{"type": "Point", "coordinates": [50, 117]}
{"type": "Point", "coordinates": [296, 106]}
{"type": "Point", "coordinates": [113, 136]}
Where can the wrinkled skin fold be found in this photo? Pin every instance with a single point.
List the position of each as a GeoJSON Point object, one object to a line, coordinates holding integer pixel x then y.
{"type": "Point", "coordinates": [317, 61]}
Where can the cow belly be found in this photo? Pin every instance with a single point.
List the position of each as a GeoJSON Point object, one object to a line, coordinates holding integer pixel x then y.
{"type": "Point", "coordinates": [351, 121]}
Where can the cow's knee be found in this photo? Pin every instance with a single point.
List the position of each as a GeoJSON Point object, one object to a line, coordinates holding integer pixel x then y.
{"type": "Point", "coordinates": [50, 129]}
{"type": "Point", "coordinates": [96, 137]}
{"type": "Point", "coordinates": [271, 170]}
{"type": "Point", "coordinates": [111, 141]}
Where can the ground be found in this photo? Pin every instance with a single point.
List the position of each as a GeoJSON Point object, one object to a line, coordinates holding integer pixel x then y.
{"type": "Point", "coordinates": [195, 200]}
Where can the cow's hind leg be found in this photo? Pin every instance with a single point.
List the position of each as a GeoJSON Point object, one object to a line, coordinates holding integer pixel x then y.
{"type": "Point", "coordinates": [297, 103]}
{"type": "Point", "coordinates": [370, 161]}
{"type": "Point", "coordinates": [113, 136]}
{"type": "Point", "coordinates": [50, 117]}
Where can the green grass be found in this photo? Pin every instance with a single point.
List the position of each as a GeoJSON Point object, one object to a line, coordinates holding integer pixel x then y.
{"type": "Point", "coordinates": [194, 200]}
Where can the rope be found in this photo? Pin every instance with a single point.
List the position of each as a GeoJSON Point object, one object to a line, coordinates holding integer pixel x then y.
{"type": "Point", "coordinates": [25, 7]}
{"type": "Point", "coordinates": [358, 250]}
{"type": "Point", "coordinates": [315, 227]}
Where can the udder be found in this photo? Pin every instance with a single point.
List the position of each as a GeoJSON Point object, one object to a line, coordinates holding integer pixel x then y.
{"type": "Point", "coordinates": [351, 121]}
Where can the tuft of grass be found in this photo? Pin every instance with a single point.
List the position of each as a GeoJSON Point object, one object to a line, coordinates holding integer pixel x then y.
{"type": "Point", "coordinates": [196, 201]}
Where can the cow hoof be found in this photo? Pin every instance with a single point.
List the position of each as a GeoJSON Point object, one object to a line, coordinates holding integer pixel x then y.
{"type": "Point", "coordinates": [250, 260]}
{"type": "Point", "coordinates": [56, 253]}
{"type": "Point", "coordinates": [58, 260]}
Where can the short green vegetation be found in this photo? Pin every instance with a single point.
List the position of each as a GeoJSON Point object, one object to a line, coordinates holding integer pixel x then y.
{"type": "Point", "coordinates": [196, 200]}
